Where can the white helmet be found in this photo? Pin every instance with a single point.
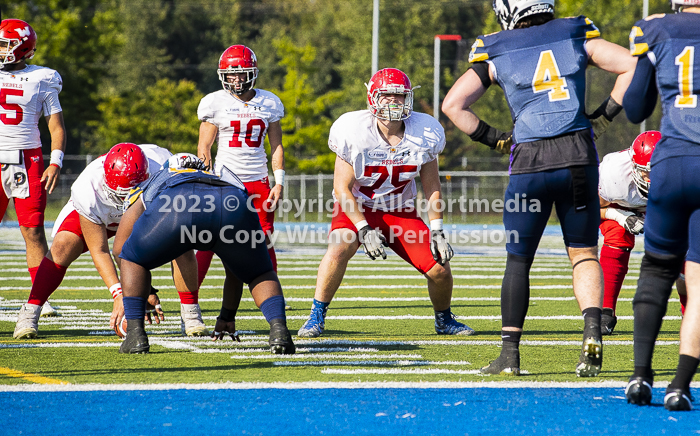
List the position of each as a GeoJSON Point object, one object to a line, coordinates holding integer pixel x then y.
{"type": "Point", "coordinates": [677, 4]}
{"type": "Point", "coordinates": [509, 12]}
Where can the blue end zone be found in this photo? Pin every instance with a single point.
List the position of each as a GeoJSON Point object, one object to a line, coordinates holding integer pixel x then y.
{"type": "Point", "coordinates": [473, 411]}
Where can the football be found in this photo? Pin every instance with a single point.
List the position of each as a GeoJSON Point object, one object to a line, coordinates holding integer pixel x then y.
{"type": "Point", "coordinates": [120, 328]}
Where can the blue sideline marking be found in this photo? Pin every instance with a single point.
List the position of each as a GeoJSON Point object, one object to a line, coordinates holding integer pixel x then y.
{"type": "Point", "coordinates": [472, 411]}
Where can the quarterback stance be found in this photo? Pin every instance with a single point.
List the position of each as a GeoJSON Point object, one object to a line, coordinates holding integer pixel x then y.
{"type": "Point", "coordinates": [540, 63]}
{"type": "Point", "coordinates": [668, 50]}
{"type": "Point", "coordinates": [623, 190]}
{"type": "Point", "coordinates": [27, 92]}
{"type": "Point", "coordinates": [239, 117]}
{"type": "Point", "coordinates": [88, 221]}
{"type": "Point", "coordinates": [206, 221]}
{"type": "Point", "coordinates": [380, 151]}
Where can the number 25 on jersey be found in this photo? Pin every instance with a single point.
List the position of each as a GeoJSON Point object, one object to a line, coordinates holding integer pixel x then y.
{"type": "Point", "coordinates": [252, 132]}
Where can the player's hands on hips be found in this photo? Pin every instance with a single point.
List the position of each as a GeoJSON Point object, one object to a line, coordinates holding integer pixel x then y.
{"type": "Point", "coordinates": [117, 311]}
{"type": "Point", "coordinates": [223, 328]}
{"type": "Point", "coordinates": [634, 224]}
{"type": "Point", "coordinates": [439, 247]}
{"type": "Point", "coordinates": [504, 143]}
{"type": "Point", "coordinates": [154, 310]}
{"type": "Point", "coordinates": [373, 242]}
{"type": "Point", "coordinates": [51, 175]}
{"type": "Point", "coordinates": [274, 198]}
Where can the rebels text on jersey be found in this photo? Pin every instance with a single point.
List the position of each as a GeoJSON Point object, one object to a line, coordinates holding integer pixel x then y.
{"type": "Point", "coordinates": [26, 95]}
{"type": "Point", "coordinates": [616, 184]}
{"type": "Point", "coordinates": [385, 174]}
{"type": "Point", "coordinates": [242, 129]}
{"type": "Point", "coordinates": [88, 196]}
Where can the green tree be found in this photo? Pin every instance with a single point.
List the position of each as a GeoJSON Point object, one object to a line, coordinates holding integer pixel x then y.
{"type": "Point", "coordinates": [163, 114]}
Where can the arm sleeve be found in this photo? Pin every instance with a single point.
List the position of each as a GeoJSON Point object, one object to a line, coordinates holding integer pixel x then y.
{"type": "Point", "coordinates": [640, 98]}
{"type": "Point", "coordinates": [482, 70]}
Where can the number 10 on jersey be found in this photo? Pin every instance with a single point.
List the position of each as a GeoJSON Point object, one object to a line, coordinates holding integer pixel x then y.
{"type": "Point", "coordinates": [253, 135]}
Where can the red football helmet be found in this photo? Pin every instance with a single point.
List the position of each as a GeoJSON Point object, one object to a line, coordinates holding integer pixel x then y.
{"type": "Point", "coordinates": [17, 41]}
{"type": "Point", "coordinates": [238, 59]}
{"type": "Point", "coordinates": [640, 153]}
{"type": "Point", "coordinates": [390, 81]}
{"type": "Point", "coordinates": [125, 167]}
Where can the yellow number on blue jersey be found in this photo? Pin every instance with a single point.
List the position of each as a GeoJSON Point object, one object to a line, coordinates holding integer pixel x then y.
{"type": "Point", "coordinates": [547, 78]}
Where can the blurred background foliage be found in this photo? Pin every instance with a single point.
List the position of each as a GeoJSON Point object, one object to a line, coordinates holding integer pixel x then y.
{"type": "Point", "coordinates": [135, 70]}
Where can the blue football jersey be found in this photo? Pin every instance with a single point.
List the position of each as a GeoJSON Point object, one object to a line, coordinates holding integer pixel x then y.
{"type": "Point", "coordinates": [168, 177]}
{"type": "Point", "coordinates": [672, 43]}
{"type": "Point", "coordinates": [542, 70]}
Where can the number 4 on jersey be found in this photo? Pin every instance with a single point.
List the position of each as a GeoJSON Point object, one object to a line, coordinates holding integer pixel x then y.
{"type": "Point", "coordinates": [547, 78]}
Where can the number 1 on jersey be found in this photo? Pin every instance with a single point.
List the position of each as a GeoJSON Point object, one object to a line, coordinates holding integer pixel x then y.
{"type": "Point", "coordinates": [685, 62]}
{"type": "Point", "coordinates": [547, 78]}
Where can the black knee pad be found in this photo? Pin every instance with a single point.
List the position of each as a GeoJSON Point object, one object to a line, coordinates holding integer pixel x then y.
{"type": "Point", "coordinates": [656, 277]}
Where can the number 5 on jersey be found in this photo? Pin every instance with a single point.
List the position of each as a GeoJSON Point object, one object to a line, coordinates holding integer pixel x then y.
{"type": "Point", "coordinates": [547, 78]}
{"type": "Point", "coordinates": [253, 135]}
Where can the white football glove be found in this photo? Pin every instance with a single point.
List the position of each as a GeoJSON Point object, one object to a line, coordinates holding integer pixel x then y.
{"type": "Point", "coordinates": [628, 220]}
{"type": "Point", "coordinates": [439, 247]}
{"type": "Point", "coordinates": [373, 242]}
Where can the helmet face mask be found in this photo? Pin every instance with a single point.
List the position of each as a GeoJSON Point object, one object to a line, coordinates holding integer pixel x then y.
{"type": "Point", "coordinates": [124, 168]}
{"type": "Point", "coordinates": [17, 41]}
{"type": "Point", "coordinates": [238, 59]}
{"type": "Point", "coordinates": [509, 12]}
{"type": "Point", "coordinates": [640, 154]}
{"type": "Point", "coordinates": [390, 81]}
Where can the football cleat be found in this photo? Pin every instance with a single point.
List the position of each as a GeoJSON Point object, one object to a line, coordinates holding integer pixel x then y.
{"type": "Point", "coordinates": [677, 400]}
{"type": "Point", "coordinates": [450, 326]}
{"type": "Point", "coordinates": [47, 310]}
{"type": "Point", "coordinates": [314, 326]}
{"type": "Point", "coordinates": [508, 363]}
{"type": "Point", "coordinates": [608, 321]}
{"type": "Point", "coordinates": [27, 326]}
{"type": "Point", "coordinates": [280, 338]}
{"type": "Point", "coordinates": [191, 320]}
{"type": "Point", "coordinates": [136, 342]}
{"type": "Point", "coordinates": [638, 391]}
{"type": "Point", "coordinates": [591, 359]}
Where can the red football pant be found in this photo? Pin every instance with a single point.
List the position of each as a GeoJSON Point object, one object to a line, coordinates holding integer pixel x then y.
{"type": "Point", "coordinates": [30, 210]}
{"type": "Point", "coordinates": [614, 259]}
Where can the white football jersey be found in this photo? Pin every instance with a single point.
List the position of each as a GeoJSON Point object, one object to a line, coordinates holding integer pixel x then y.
{"type": "Point", "coordinates": [616, 184]}
{"type": "Point", "coordinates": [88, 196]}
{"type": "Point", "coordinates": [25, 96]}
{"type": "Point", "coordinates": [385, 175]}
{"type": "Point", "coordinates": [242, 129]}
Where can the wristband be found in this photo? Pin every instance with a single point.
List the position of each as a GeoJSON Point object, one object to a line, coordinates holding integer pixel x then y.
{"type": "Point", "coordinates": [361, 224]}
{"type": "Point", "coordinates": [227, 315]}
{"type": "Point", "coordinates": [115, 290]}
{"type": "Point", "coordinates": [279, 177]}
{"type": "Point", "coordinates": [614, 214]}
{"type": "Point", "coordinates": [436, 224]}
{"type": "Point", "coordinates": [57, 158]}
{"type": "Point", "coordinates": [487, 135]}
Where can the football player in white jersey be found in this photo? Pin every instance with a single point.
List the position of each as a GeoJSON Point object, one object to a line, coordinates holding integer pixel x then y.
{"type": "Point", "coordinates": [88, 221]}
{"type": "Point", "coordinates": [238, 117]}
{"type": "Point", "coordinates": [380, 151]}
{"type": "Point", "coordinates": [623, 189]}
{"type": "Point", "coordinates": [26, 93]}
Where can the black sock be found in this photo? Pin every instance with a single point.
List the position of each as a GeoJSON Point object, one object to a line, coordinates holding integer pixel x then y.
{"type": "Point", "coordinates": [511, 339]}
{"type": "Point", "coordinates": [643, 371]}
{"type": "Point", "coordinates": [134, 324]}
{"type": "Point", "coordinates": [591, 322]}
{"type": "Point", "coordinates": [515, 290]}
{"type": "Point", "coordinates": [656, 278]}
{"type": "Point", "coordinates": [687, 366]}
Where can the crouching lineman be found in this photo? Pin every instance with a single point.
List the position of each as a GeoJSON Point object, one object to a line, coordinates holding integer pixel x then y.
{"type": "Point", "coordinates": [380, 151]}
{"type": "Point", "coordinates": [623, 190]}
{"type": "Point", "coordinates": [87, 221]}
{"type": "Point", "coordinates": [209, 214]}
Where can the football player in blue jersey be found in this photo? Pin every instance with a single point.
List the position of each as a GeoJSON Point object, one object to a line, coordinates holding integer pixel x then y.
{"type": "Point", "coordinates": [183, 207]}
{"type": "Point", "coordinates": [540, 63]}
{"type": "Point", "coordinates": [668, 52]}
